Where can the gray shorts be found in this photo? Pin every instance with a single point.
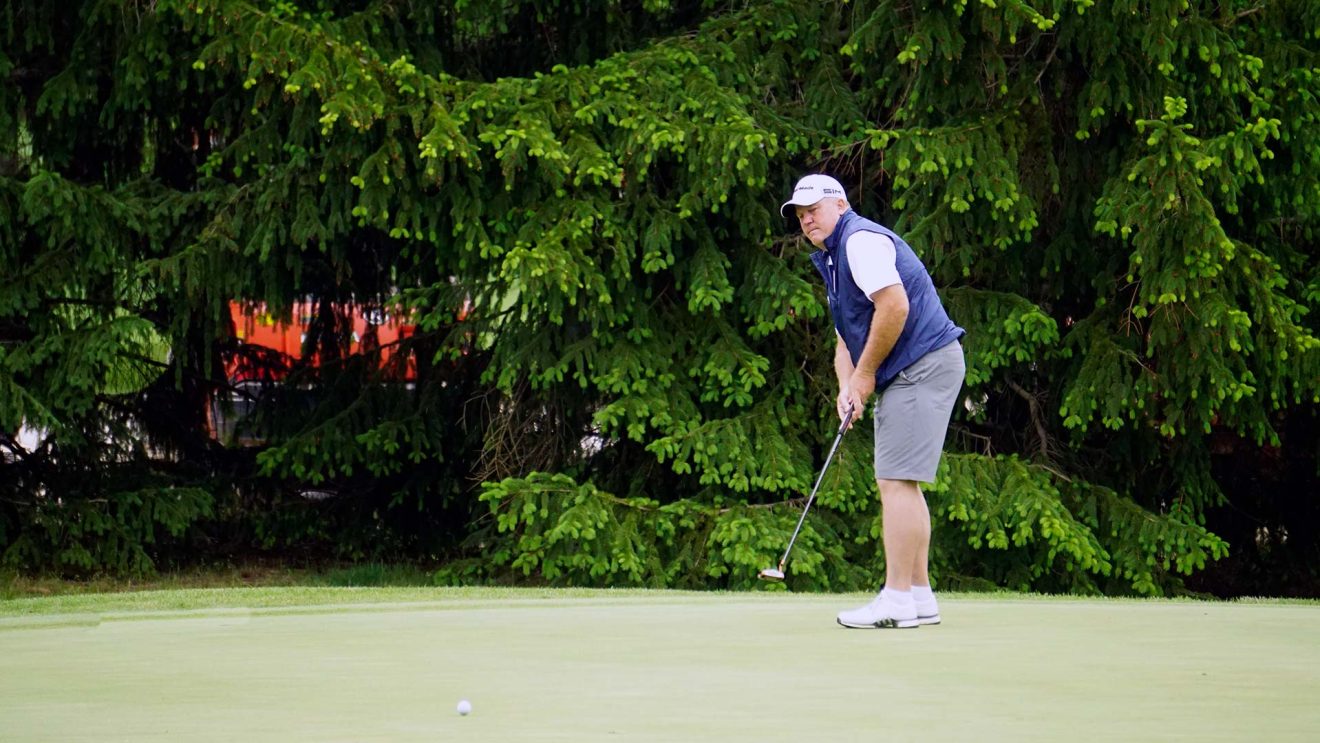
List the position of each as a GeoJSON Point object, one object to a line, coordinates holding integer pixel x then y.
{"type": "Point", "coordinates": [912, 415]}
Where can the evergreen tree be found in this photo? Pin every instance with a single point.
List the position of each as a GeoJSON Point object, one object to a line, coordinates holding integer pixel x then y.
{"type": "Point", "coordinates": [1118, 200]}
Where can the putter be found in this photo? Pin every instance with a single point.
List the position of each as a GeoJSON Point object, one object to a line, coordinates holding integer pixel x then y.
{"type": "Point", "coordinates": [777, 574]}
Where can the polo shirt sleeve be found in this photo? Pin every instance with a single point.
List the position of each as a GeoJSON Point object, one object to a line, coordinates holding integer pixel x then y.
{"type": "Point", "coordinates": [873, 262]}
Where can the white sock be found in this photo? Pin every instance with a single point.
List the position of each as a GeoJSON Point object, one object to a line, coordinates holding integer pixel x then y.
{"type": "Point", "coordinates": [899, 597]}
{"type": "Point", "coordinates": [922, 593]}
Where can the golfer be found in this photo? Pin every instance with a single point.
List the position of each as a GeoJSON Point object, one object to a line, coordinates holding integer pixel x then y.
{"type": "Point", "coordinates": [894, 340]}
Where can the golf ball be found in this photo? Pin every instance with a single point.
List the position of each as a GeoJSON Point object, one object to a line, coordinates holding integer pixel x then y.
{"type": "Point", "coordinates": [464, 707]}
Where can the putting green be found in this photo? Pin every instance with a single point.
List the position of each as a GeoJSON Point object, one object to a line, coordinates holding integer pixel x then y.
{"type": "Point", "coordinates": [655, 666]}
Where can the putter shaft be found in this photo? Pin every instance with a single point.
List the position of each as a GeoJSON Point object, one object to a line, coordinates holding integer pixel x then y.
{"type": "Point", "coordinates": [843, 427]}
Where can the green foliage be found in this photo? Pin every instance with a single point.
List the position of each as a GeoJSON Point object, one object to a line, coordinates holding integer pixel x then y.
{"type": "Point", "coordinates": [621, 355]}
{"type": "Point", "coordinates": [575, 534]}
{"type": "Point", "coordinates": [564, 533]}
{"type": "Point", "coordinates": [1028, 528]}
{"type": "Point", "coordinates": [1011, 331]}
{"type": "Point", "coordinates": [78, 535]}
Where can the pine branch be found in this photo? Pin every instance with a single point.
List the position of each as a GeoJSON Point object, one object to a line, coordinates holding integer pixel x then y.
{"type": "Point", "coordinates": [1037, 420]}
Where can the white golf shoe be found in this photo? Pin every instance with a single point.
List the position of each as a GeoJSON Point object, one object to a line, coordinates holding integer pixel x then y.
{"type": "Point", "coordinates": [883, 612]}
{"type": "Point", "coordinates": [928, 611]}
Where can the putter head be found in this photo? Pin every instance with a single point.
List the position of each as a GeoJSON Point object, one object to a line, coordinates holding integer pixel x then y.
{"type": "Point", "coordinates": [771, 574]}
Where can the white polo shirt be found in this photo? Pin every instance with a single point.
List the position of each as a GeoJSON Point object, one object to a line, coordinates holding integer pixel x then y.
{"type": "Point", "coordinates": [873, 261]}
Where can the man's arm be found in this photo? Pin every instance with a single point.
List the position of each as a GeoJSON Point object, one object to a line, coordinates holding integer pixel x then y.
{"type": "Point", "coordinates": [843, 369]}
{"type": "Point", "coordinates": [891, 311]}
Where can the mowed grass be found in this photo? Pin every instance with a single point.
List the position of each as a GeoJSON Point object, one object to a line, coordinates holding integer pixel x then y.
{"type": "Point", "coordinates": [370, 664]}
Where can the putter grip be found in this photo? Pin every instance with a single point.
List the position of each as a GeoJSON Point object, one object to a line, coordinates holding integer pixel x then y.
{"type": "Point", "coordinates": [847, 421]}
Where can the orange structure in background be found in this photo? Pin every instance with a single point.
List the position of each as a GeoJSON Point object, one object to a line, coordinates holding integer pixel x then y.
{"type": "Point", "coordinates": [372, 329]}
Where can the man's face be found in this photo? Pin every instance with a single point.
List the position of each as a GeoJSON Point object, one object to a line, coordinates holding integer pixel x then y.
{"type": "Point", "coordinates": [819, 219]}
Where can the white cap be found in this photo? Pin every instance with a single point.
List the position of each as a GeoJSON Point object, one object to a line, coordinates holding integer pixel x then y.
{"type": "Point", "coordinates": [811, 189]}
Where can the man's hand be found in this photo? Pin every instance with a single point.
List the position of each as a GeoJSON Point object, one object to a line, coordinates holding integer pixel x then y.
{"type": "Point", "coordinates": [844, 403]}
{"type": "Point", "coordinates": [859, 390]}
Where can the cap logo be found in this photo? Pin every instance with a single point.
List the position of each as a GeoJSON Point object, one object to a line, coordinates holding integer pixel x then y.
{"type": "Point", "coordinates": [806, 190]}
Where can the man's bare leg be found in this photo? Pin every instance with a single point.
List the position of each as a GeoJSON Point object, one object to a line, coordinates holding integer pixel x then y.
{"type": "Point", "coordinates": [921, 562]}
{"type": "Point", "coordinates": [906, 534]}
